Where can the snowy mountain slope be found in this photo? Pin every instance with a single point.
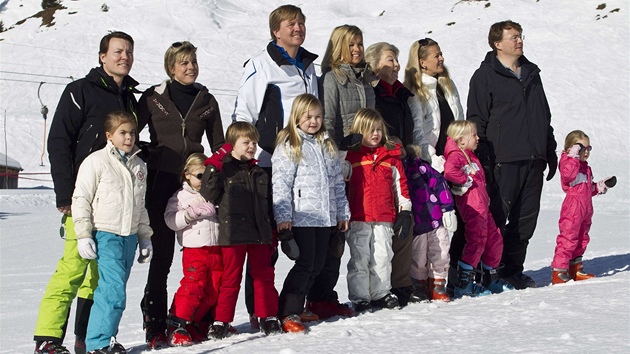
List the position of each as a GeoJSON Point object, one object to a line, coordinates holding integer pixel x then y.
{"type": "Point", "coordinates": [584, 62]}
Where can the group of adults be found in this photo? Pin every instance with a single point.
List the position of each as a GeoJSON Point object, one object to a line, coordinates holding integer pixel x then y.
{"type": "Point", "coordinates": [506, 100]}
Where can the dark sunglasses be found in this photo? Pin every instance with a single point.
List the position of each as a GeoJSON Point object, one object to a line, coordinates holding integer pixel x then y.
{"type": "Point", "coordinates": [423, 42]}
{"type": "Point", "coordinates": [197, 176]}
{"type": "Point", "coordinates": [177, 44]}
{"type": "Point", "coordinates": [585, 148]}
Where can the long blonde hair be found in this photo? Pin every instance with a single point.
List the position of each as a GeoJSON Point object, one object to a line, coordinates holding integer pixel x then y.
{"type": "Point", "coordinates": [413, 71]}
{"type": "Point", "coordinates": [301, 105]}
{"type": "Point", "coordinates": [338, 50]}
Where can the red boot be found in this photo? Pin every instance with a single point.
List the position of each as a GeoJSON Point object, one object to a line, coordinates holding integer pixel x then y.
{"type": "Point", "coordinates": [575, 270]}
{"type": "Point", "coordinates": [437, 290]}
{"type": "Point", "coordinates": [559, 276]}
{"type": "Point", "coordinates": [293, 324]}
{"type": "Point", "coordinates": [328, 309]}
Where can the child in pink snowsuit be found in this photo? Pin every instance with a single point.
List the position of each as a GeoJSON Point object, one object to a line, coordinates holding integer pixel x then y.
{"type": "Point", "coordinates": [576, 178]}
{"type": "Point", "coordinates": [483, 238]}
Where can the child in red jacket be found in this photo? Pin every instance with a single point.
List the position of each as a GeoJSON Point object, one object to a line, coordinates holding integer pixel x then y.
{"type": "Point", "coordinates": [483, 238]}
{"type": "Point", "coordinates": [378, 197]}
{"type": "Point", "coordinates": [577, 209]}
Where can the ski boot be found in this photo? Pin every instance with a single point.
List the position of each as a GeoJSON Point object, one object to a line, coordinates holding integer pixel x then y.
{"type": "Point", "coordinates": [575, 270]}
{"type": "Point", "coordinates": [467, 285]}
{"type": "Point", "coordinates": [491, 281]}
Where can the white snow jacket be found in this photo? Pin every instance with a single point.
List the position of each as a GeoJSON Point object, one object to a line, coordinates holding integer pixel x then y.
{"type": "Point", "coordinates": [198, 233]}
{"type": "Point", "coordinates": [426, 119]}
{"type": "Point", "coordinates": [310, 193]}
{"type": "Point", "coordinates": [271, 81]}
{"type": "Point", "coordinates": [109, 195]}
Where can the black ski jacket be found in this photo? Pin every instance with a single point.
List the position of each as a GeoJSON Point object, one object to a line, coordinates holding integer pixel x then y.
{"type": "Point", "coordinates": [512, 116]}
{"type": "Point", "coordinates": [77, 126]}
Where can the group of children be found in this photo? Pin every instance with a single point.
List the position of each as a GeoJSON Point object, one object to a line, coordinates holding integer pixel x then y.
{"type": "Point", "coordinates": [229, 209]}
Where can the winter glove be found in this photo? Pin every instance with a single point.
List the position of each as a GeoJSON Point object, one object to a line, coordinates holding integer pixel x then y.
{"type": "Point", "coordinates": [199, 211]}
{"type": "Point", "coordinates": [402, 226]}
{"type": "Point", "coordinates": [437, 162]}
{"type": "Point", "coordinates": [145, 251]}
{"type": "Point", "coordinates": [337, 242]}
{"type": "Point", "coordinates": [216, 159]}
{"type": "Point", "coordinates": [461, 189]}
{"type": "Point", "coordinates": [346, 169]}
{"type": "Point", "coordinates": [449, 219]}
{"type": "Point", "coordinates": [288, 244]}
{"type": "Point", "coordinates": [603, 185]}
{"type": "Point", "coordinates": [574, 151]}
{"type": "Point", "coordinates": [144, 153]}
{"type": "Point", "coordinates": [350, 141]}
{"type": "Point", "coordinates": [553, 167]}
{"type": "Point", "coordinates": [87, 248]}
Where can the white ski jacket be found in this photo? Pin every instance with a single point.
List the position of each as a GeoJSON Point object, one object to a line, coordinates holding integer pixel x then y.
{"type": "Point", "coordinates": [109, 195]}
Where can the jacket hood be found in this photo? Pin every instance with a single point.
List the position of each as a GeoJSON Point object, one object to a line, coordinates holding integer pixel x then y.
{"type": "Point", "coordinates": [451, 146]}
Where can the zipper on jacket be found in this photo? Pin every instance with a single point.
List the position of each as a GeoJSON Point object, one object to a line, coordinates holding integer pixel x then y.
{"type": "Point", "coordinates": [184, 123]}
{"type": "Point", "coordinates": [303, 76]}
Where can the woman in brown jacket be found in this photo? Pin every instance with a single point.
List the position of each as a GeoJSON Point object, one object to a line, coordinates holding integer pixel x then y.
{"type": "Point", "coordinates": [178, 112]}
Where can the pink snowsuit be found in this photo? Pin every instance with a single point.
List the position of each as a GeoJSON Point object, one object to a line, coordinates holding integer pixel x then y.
{"type": "Point", "coordinates": [483, 237]}
{"type": "Point", "coordinates": [576, 178]}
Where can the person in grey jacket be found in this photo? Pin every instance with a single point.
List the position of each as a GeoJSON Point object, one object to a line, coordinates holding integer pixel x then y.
{"type": "Point", "coordinates": [347, 86]}
{"type": "Point", "coordinates": [308, 199]}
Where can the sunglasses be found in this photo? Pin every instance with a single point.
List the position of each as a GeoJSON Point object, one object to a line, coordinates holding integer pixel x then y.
{"type": "Point", "coordinates": [197, 176]}
{"type": "Point", "coordinates": [177, 44]}
{"type": "Point", "coordinates": [424, 42]}
{"type": "Point", "coordinates": [585, 148]}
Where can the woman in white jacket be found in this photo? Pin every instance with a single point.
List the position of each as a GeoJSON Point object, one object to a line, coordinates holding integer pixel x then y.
{"type": "Point", "coordinates": [110, 221]}
{"type": "Point", "coordinates": [435, 103]}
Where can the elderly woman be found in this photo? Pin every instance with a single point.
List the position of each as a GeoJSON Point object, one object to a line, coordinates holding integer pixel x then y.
{"type": "Point", "coordinates": [391, 102]}
{"type": "Point", "coordinates": [434, 106]}
{"type": "Point", "coordinates": [348, 85]}
{"type": "Point", "coordinates": [178, 112]}
{"type": "Point", "coordinates": [435, 103]}
{"type": "Point", "coordinates": [391, 94]}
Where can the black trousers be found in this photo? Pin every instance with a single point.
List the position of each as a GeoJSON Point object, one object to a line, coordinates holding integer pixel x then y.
{"type": "Point", "coordinates": [160, 188]}
{"type": "Point", "coordinates": [313, 244]}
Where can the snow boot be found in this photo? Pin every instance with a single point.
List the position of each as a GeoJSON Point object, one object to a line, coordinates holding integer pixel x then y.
{"type": "Point", "coordinates": [113, 348]}
{"type": "Point", "coordinates": [270, 325]}
{"type": "Point", "coordinates": [452, 281]}
{"type": "Point", "coordinates": [576, 270]}
{"type": "Point", "coordinates": [520, 281]}
{"type": "Point", "coordinates": [388, 301]}
{"type": "Point", "coordinates": [362, 306]}
{"type": "Point", "coordinates": [219, 330]}
{"type": "Point", "coordinates": [79, 345]}
{"type": "Point", "coordinates": [491, 281]}
{"type": "Point", "coordinates": [308, 316]}
{"type": "Point", "coordinates": [177, 334]}
{"type": "Point", "coordinates": [50, 347]}
{"type": "Point", "coordinates": [293, 324]}
{"type": "Point", "coordinates": [559, 276]}
{"type": "Point", "coordinates": [436, 290]}
{"type": "Point", "coordinates": [467, 285]}
{"type": "Point", "coordinates": [328, 309]}
{"type": "Point", "coordinates": [253, 322]}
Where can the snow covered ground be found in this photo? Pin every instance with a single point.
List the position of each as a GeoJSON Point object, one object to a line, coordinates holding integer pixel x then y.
{"type": "Point", "coordinates": [581, 50]}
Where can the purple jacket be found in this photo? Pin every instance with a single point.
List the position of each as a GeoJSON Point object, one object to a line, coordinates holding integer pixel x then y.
{"type": "Point", "coordinates": [429, 195]}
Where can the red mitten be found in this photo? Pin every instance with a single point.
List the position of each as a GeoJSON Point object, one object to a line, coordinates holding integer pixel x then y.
{"type": "Point", "coordinates": [216, 159]}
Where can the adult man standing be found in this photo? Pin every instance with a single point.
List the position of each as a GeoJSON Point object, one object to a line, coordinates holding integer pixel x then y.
{"type": "Point", "coordinates": [271, 81]}
{"type": "Point", "coordinates": [516, 142]}
{"type": "Point", "coordinates": [75, 132]}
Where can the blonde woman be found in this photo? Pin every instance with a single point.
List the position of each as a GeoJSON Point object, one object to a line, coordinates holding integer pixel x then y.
{"type": "Point", "coordinates": [435, 103]}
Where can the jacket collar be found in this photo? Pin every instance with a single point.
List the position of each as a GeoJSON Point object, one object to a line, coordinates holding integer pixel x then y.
{"type": "Point", "coordinates": [100, 78]}
{"type": "Point", "coordinates": [280, 56]}
{"type": "Point", "coordinates": [347, 71]}
{"type": "Point", "coordinates": [112, 150]}
{"type": "Point", "coordinates": [528, 69]}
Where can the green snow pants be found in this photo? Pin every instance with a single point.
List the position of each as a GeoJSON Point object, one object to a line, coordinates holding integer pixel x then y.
{"type": "Point", "coordinates": [73, 276]}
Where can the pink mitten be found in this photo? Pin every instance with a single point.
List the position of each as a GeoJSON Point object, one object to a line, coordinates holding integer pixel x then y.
{"type": "Point", "coordinates": [199, 210]}
{"type": "Point", "coordinates": [574, 151]}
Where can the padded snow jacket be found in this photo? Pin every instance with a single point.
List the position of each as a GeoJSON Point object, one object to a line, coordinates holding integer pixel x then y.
{"type": "Point", "coordinates": [77, 126]}
{"type": "Point", "coordinates": [427, 119]}
{"type": "Point", "coordinates": [344, 93]}
{"type": "Point", "coordinates": [240, 192]}
{"type": "Point", "coordinates": [311, 192]}
{"type": "Point", "coordinates": [271, 81]}
{"type": "Point", "coordinates": [429, 195]}
{"type": "Point", "coordinates": [198, 233]}
{"type": "Point", "coordinates": [109, 195]}
{"type": "Point", "coordinates": [378, 186]}
{"type": "Point", "coordinates": [391, 103]}
{"type": "Point", "coordinates": [456, 170]}
{"type": "Point", "coordinates": [175, 136]}
{"type": "Point", "coordinates": [512, 115]}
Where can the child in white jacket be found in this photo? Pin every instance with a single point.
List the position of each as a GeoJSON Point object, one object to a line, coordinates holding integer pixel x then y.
{"type": "Point", "coordinates": [110, 221]}
{"type": "Point", "coordinates": [196, 225]}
